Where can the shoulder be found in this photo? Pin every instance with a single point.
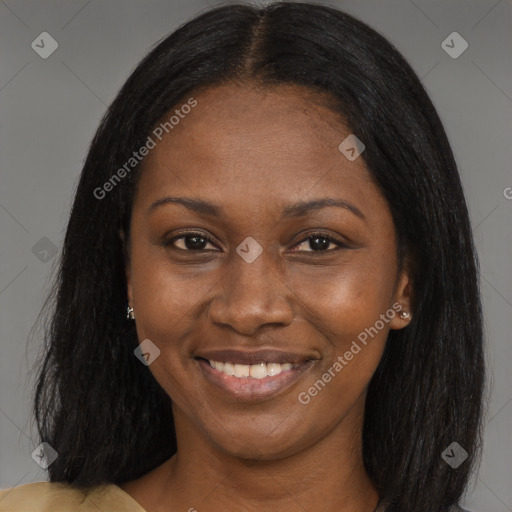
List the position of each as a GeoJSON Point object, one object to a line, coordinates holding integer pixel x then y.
{"type": "Point", "coordinates": [62, 497]}
{"type": "Point", "coordinates": [41, 497]}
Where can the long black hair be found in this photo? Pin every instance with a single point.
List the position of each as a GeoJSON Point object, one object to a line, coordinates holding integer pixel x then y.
{"type": "Point", "coordinates": [103, 411]}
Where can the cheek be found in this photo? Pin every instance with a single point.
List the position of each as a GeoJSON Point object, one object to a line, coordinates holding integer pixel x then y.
{"type": "Point", "coordinates": [168, 304]}
{"type": "Point", "coordinates": [165, 309]}
{"type": "Point", "coordinates": [347, 309]}
{"type": "Point", "coordinates": [352, 298]}
{"type": "Point", "coordinates": [165, 301]}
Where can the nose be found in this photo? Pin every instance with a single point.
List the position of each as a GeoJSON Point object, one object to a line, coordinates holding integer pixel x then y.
{"type": "Point", "coordinates": [250, 296]}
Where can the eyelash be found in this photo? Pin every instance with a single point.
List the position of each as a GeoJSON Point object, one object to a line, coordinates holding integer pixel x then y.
{"type": "Point", "coordinates": [209, 239]}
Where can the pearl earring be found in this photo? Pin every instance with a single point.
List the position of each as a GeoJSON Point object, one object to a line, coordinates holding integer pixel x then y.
{"type": "Point", "coordinates": [404, 315]}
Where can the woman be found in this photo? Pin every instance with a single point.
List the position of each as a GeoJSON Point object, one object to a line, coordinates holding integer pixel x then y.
{"type": "Point", "coordinates": [268, 290]}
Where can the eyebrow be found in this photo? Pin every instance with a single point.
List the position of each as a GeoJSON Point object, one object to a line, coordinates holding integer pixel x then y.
{"type": "Point", "coordinates": [295, 210]}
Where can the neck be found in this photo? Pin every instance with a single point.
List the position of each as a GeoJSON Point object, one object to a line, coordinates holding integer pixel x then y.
{"type": "Point", "coordinates": [327, 476]}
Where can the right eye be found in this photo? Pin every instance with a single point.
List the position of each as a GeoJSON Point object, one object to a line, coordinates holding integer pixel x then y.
{"type": "Point", "coordinates": [190, 241]}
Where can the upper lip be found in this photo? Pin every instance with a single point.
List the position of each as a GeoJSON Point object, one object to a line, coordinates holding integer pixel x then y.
{"type": "Point", "coordinates": [250, 357]}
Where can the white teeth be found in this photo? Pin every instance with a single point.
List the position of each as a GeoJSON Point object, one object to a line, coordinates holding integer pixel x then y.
{"type": "Point", "coordinates": [257, 371]}
{"type": "Point", "coordinates": [273, 368]}
{"type": "Point", "coordinates": [241, 370]}
{"type": "Point", "coordinates": [229, 369]}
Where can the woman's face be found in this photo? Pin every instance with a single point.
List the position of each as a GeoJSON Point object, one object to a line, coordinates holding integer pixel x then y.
{"type": "Point", "coordinates": [270, 290]}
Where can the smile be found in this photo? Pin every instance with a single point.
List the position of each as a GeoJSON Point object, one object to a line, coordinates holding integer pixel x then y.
{"type": "Point", "coordinates": [256, 371]}
{"type": "Point", "coordinates": [254, 382]}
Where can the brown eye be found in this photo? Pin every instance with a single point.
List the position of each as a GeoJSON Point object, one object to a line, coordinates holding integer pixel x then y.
{"type": "Point", "coordinates": [190, 242]}
{"type": "Point", "coordinates": [319, 242]}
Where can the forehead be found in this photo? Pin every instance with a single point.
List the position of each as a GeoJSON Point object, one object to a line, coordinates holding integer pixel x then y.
{"type": "Point", "coordinates": [258, 146]}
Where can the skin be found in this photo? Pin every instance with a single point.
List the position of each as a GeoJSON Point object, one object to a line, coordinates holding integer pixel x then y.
{"type": "Point", "coordinates": [253, 152]}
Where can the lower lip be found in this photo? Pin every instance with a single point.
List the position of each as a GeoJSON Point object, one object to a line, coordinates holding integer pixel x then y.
{"type": "Point", "coordinates": [249, 389]}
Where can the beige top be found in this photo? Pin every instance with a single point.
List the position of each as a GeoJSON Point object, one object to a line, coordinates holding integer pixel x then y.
{"type": "Point", "coordinates": [61, 497]}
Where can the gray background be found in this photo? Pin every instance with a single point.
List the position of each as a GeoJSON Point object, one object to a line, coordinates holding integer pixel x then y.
{"type": "Point", "coordinates": [50, 108]}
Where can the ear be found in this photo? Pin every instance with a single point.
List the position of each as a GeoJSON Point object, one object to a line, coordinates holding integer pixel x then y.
{"type": "Point", "coordinates": [402, 301]}
{"type": "Point", "coordinates": [127, 267]}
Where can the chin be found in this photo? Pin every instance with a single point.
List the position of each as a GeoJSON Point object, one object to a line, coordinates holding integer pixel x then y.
{"type": "Point", "coordinates": [262, 444]}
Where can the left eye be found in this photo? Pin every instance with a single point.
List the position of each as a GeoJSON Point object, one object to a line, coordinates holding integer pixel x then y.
{"type": "Point", "coordinates": [320, 243]}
